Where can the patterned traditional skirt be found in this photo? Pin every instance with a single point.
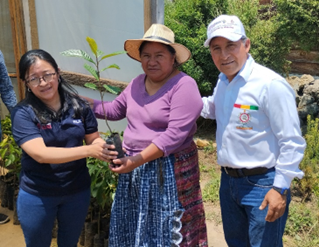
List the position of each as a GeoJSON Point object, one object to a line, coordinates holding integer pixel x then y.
{"type": "Point", "coordinates": [159, 204]}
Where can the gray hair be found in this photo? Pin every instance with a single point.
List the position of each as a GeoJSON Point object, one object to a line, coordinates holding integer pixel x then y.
{"type": "Point", "coordinates": [243, 39]}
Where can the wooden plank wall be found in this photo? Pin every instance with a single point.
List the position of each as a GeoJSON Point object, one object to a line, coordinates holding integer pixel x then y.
{"type": "Point", "coordinates": [304, 62]}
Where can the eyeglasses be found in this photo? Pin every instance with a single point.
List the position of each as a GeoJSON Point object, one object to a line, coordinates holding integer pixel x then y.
{"type": "Point", "coordinates": [37, 80]}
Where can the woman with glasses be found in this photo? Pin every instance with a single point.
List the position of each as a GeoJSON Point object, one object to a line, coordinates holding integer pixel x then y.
{"type": "Point", "coordinates": [50, 125]}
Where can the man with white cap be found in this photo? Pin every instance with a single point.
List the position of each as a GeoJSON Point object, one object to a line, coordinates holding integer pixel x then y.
{"type": "Point", "coordinates": [259, 142]}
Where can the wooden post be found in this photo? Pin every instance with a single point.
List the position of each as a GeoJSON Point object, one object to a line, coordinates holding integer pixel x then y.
{"type": "Point", "coordinates": [153, 12]}
{"type": "Point", "coordinates": [147, 14]}
{"type": "Point", "coordinates": [33, 25]}
{"type": "Point", "coordinates": [18, 38]}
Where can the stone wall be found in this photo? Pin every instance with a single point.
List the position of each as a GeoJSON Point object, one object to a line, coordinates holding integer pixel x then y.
{"type": "Point", "coordinates": [306, 89]}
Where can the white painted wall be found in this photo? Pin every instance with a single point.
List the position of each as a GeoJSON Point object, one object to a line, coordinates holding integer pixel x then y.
{"type": "Point", "coordinates": [65, 24]}
{"type": "Point", "coordinates": [117, 126]}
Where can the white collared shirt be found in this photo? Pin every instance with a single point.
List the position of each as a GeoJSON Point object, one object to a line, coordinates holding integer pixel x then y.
{"type": "Point", "coordinates": [257, 122]}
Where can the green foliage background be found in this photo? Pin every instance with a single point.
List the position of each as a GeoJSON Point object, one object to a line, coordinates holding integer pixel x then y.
{"type": "Point", "coordinates": [299, 21]}
{"type": "Point", "coordinates": [189, 19]}
{"type": "Point", "coordinates": [273, 29]}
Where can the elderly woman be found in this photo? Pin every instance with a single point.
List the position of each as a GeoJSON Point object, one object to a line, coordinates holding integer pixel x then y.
{"type": "Point", "coordinates": [158, 201]}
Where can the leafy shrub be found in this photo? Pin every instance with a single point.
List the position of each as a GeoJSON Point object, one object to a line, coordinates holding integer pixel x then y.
{"type": "Point", "coordinates": [272, 29]}
{"type": "Point", "coordinates": [103, 182]}
{"type": "Point", "coordinates": [10, 152]}
{"type": "Point", "coordinates": [299, 21]}
{"type": "Point", "coordinates": [309, 184]}
{"type": "Point", "coordinates": [189, 20]}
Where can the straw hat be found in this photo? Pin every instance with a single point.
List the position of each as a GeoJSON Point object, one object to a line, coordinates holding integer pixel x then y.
{"type": "Point", "coordinates": [161, 34]}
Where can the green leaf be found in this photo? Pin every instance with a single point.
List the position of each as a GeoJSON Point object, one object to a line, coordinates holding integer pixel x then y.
{"type": "Point", "coordinates": [12, 157]}
{"type": "Point", "coordinates": [93, 45]}
{"type": "Point", "coordinates": [3, 153]}
{"type": "Point", "coordinates": [99, 53]}
{"type": "Point", "coordinates": [8, 162]}
{"type": "Point", "coordinates": [5, 141]}
{"type": "Point", "coordinates": [78, 53]}
{"type": "Point", "coordinates": [94, 192]}
{"type": "Point", "coordinates": [90, 85]}
{"type": "Point", "coordinates": [92, 71]}
{"type": "Point", "coordinates": [114, 54]}
{"type": "Point", "coordinates": [11, 147]}
{"type": "Point", "coordinates": [112, 89]}
{"type": "Point", "coordinates": [115, 66]}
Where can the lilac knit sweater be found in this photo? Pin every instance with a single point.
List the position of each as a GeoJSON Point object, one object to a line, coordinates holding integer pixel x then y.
{"type": "Point", "coordinates": [167, 118]}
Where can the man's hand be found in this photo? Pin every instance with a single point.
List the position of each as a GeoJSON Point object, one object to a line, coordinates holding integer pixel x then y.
{"type": "Point", "coordinates": [276, 205]}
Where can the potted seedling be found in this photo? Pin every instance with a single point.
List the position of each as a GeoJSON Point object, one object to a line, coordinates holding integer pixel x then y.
{"type": "Point", "coordinates": [103, 184]}
{"type": "Point", "coordinates": [98, 57]}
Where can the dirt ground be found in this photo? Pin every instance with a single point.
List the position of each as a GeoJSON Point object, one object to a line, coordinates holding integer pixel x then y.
{"type": "Point", "coordinates": [11, 235]}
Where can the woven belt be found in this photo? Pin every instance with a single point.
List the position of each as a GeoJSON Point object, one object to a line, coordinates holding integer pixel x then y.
{"type": "Point", "coordinates": [242, 172]}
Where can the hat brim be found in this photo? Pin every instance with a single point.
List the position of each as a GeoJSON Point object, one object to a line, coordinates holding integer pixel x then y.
{"type": "Point", "coordinates": [230, 36]}
{"type": "Point", "coordinates": [132, 46]}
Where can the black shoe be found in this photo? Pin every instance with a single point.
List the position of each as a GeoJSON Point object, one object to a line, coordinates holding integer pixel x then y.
{"type": "Point", "coordinates": [4, 218]}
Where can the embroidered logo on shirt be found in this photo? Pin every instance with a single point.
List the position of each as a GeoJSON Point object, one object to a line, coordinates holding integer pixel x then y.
{"type": "Point", "coordinates": [44, 126]}
{"type": "Point", "coordinates": [244, 117]}
{"type": "Point", "coordinates": [77, 121]}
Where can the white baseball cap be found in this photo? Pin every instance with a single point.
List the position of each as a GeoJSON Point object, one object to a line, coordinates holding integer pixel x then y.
{"type": "Point", "coordinates": [229, 27]}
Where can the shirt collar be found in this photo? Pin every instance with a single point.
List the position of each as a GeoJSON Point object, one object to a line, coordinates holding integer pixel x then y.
{"type": "Point", "coordinates": [244, 72]}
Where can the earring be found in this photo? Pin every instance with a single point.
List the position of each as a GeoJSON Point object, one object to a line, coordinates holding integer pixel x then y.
{"type": "Point", "coordinates": [29, 90]}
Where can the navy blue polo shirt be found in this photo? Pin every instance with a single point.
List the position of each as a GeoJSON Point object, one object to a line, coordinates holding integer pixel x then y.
{"type": "Point", "coordinates": [53, 179]}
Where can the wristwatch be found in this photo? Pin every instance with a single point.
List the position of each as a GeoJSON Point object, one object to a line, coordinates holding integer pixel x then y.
{"type": "Point", "coordinates": [282, 191]}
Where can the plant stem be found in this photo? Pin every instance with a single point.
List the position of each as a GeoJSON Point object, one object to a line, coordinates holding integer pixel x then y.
{"type": "Point", "coordinates": [101, 94]}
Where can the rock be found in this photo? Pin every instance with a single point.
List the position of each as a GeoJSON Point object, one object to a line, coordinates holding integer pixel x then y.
{"type": "Point", "coordinates": [201, 143]}
{"type": "Point", "coordinates": [305, 80]}
{"type": "Point", "coordinates": [306, 100]}
{"type": "Point", "coordinates": [312, 89]}
{"type": "Point", "coordinates": [294, 82]}
{"type": "Point", "coordinates": [311, 109]}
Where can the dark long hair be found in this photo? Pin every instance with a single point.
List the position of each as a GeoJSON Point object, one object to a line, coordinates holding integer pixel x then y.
{"type": "Point", "coordinates": [68, 95]}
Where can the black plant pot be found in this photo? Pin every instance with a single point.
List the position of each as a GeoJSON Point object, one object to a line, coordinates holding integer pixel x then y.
{"type": "Point", "coordinates": [105, 225]}
{"type": "Point", "coordinates": [10, 196]}
{"type": "Point", "coordinates": [114, 139]}
{"type": "Point", "coordinates": [3, 193]}
{"type": "Point", "coordinates": [15, 213]}
{"type": "Point", "coordinates": [90, 231]}
{"type": "Point", "coordinates": [99, 239]}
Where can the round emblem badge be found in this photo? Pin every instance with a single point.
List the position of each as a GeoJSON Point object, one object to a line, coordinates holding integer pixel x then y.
{"type": "Point", "coordinates": [244, 117]}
